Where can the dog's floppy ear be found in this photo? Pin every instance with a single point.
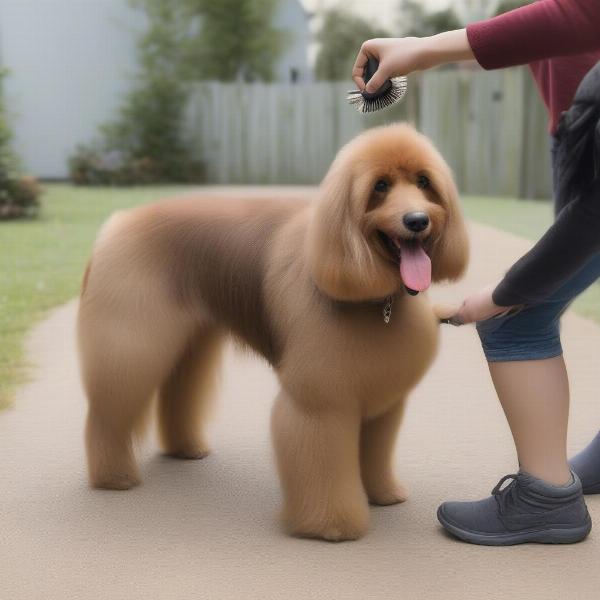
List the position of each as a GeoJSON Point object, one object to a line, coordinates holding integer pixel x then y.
{"type": "Point", "coordinates": [450, 254]}
{"type": "Point", "coordinates": [334, 248]}
{"type": "Point", "coordinates": [339, 257]}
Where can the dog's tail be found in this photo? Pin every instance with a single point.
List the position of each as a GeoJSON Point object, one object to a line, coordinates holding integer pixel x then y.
{"type": "Point", "coordinates": [105, 230]}
{"type": "Point", "coordinates": [86, 277]}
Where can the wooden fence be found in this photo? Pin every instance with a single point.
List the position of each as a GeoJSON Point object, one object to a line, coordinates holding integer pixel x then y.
{"type": "Point", "coordinates": [490, 126]}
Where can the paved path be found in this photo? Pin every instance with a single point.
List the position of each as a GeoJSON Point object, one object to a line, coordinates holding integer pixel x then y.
{"type": "Point", "coordinates": [207, 529]}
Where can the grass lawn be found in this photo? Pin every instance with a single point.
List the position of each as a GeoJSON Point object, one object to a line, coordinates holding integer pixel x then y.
{"type": "Point", "coordinates": [42, 260]}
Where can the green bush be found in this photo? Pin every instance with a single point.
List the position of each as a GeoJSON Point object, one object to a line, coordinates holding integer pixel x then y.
{"type": "Point", "coordinates": [144, 144]}
{"type": "Point", "coordinates": [19, 195]}
{"type": "Point", "coordinates": [93, 165]}
{"type": "Point", "coordinates": [149, 129]}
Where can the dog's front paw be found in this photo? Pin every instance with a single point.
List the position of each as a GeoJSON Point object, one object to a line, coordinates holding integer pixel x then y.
{"type": "Point", "coordinates": [189, 452]}
{"type": "Point", "coordinates": [337, 527]}
{"type": "Point", "coordinates": [385, 495]}
{"type": "Point", "coordinates": [116, 481]}
{"type": "Point", "coordinates": [331, 532]}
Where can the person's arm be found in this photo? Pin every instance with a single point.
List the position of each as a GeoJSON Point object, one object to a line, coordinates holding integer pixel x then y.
{"type": "Point", "coordinates": [401, 56]}
{"type": "Point", "coordinates": [569, 243]}
{"type": "Point", "coordinates": [543, 29]}
{"type": "Point", "coordinates": [575, 235]}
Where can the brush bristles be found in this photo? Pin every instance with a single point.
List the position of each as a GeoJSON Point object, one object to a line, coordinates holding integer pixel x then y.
{"type": "Point", "coordinates": [392, 96]}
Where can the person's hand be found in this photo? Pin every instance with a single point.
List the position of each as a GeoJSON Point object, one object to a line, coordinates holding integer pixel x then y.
{"type": "Point", "coordinates": [401, 56]}
{"type": "Point", "coordinates": [479, 306]}
{"type": "Point", "coordinates": [396, 56]}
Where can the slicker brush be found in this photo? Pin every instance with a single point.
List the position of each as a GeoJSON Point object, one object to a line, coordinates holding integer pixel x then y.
{"type": "Point", "coordinates": [391, 92]}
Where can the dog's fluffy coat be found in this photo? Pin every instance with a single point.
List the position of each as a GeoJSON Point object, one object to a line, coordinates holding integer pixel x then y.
{"type": "Point", "coordinates": [301, 283]}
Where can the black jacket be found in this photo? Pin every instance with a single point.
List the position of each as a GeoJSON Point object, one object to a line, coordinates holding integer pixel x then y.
{"type": "Point", "coordinates": [575, 235]}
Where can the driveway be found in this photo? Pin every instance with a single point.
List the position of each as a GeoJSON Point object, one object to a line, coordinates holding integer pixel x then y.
{"type": "Point", "coordinates": [208, 529]}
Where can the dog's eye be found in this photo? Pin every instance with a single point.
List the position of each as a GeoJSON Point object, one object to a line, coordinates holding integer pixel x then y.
{"type": "Point", "coordinates": [381, 186]}
{"type": "Point", "coordinates": [423, 182]}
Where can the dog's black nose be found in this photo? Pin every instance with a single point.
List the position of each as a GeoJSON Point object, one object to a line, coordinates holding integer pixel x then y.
{"type": "Point", "coordinates": [416, 221]}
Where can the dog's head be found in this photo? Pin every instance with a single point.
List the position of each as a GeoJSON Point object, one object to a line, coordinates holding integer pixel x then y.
{"type": "Point", "coordinates": [387, 218]}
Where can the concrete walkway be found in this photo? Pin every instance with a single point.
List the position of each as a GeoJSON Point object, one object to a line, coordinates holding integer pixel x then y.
{"type": "Point", "coordinates": [208, 530]}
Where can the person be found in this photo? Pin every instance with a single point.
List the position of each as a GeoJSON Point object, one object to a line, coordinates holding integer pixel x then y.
{"type": "Point", "coordinates": [518, 319]}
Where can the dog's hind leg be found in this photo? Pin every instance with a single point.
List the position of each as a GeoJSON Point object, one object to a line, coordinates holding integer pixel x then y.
{"type": "Point", "coordinates": [377, 440]}
{"type": "Point", "coordinates": [318, 460]}
{"type": "Point", "coordinates": [123, 363]}
{"type": "Point", "coordinates": [184, 397]}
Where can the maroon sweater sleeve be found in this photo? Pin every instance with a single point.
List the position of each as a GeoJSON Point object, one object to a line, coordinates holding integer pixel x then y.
{"type": "Point", "coordinates": [544, 29]}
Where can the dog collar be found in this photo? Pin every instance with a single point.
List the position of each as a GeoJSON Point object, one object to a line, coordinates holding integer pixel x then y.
{"type": "Point", "coordinates": [387, 309]}
{"type": "Point", "coordinates": [385, 303]}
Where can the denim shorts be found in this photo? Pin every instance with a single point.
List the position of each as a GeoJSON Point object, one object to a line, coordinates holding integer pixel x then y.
{"type": "Point", "coordinates": [534, 332]}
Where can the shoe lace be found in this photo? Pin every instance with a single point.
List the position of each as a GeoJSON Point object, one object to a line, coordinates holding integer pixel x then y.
{"type": "Point", "coordinates": [505, 496]}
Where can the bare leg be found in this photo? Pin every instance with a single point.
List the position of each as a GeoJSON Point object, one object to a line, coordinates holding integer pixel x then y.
{"type": "Point", "coordinates": [535, 397]}
{"type": "Point", "coordinates": [377, 440]}
{"type": "Point", "coordinates": [318, 460]}
{"type": "Point", "coordinates": [185, 397]}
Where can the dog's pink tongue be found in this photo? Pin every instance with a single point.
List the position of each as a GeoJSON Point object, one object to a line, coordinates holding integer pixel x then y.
{"type": "Point", "coordinates": [415, 266]}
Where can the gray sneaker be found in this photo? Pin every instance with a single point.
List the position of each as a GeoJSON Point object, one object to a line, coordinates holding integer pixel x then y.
{"type": "Point", "coordinates": [526, 510]}
{"type": "Point", "coordinates": [587, 466]}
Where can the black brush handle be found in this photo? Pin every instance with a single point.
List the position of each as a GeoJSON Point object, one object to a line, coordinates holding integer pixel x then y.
{"type": "Point", "coordinates": [368, 72]}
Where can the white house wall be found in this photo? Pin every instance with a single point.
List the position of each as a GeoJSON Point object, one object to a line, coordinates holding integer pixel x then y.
{"type": "Point", "coordinates": [72, 61]}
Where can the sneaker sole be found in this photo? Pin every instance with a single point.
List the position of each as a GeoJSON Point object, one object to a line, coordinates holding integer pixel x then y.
{"type": "Point", "coordinates": [571, 535]}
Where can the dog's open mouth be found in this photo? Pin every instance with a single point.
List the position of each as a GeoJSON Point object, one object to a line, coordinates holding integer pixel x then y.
{"type": "Point", "coordinates": [413, 261]}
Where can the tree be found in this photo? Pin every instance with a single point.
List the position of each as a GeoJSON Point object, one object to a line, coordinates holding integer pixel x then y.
{"type": "Point", "coordinates": [185, 41]}
{"type": "Point", "coordinates": [18, 194]}
{"type": "Point", "coordinates": [507, 5]}
{"type": "Point", "coordinates": [340, 38]}
{"type": "Point", "coordinates": [144, 143]}
{"type": "Point", "coordinates": [415, 21]}
{"type": "Point", "coordinates": [205, 39]}
{"type": "Point", "coordinates": [149, 125]}
{"type": "Point", "coordinates": [234, 39]}
{"type": "Point", "coordinates": [161, 47]}
{"type": "Point", "coordinates": [8, 159]}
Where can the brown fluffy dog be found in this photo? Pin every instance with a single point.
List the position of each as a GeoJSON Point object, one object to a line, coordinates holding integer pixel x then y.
{"type": "Point", "coordinates": [302, 284]}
